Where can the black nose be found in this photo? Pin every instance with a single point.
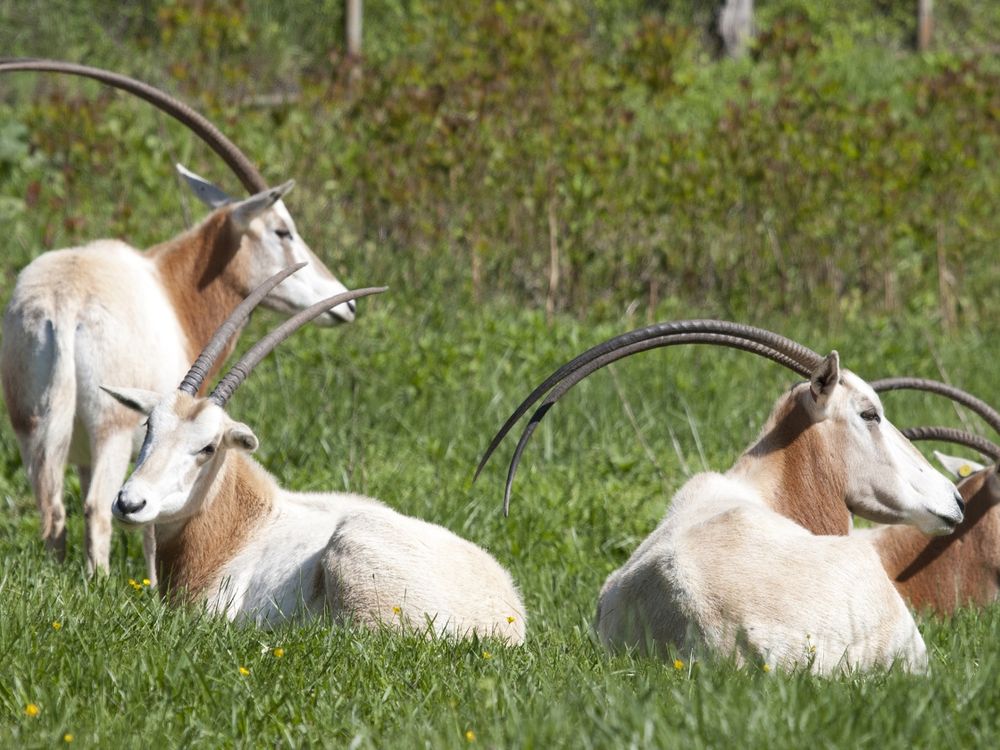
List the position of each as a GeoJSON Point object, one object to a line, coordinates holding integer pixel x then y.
{"type": "Point", "coordinates": [126, 505]}
{"type": "Point", "coordinates": [352, 305]}
{"type": "Point", "coordinates": [960, 502]}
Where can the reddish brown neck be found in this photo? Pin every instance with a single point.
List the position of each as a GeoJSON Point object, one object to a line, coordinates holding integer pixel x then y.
{"type": "Point", "coordinates": [798, 470]}
{"type": "Point", "coordinates": [204, 275]}
{"type": "Point", "coordinates": [944, 572]}
{"type": "Point", "coordinates": [240, 498]}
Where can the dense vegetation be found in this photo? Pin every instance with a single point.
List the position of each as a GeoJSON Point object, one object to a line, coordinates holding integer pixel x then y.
{"type": "Point", "coordinates": [833, 171]}
{"type": "Point", "coordinates": [834, 185]}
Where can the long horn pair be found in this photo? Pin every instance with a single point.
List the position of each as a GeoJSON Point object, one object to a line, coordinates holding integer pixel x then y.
{"type": "Point", "coordinates": [225, 388]}
{"type": "Point", "coordinates": [773, 346]}
{"type": "Point", "coordinates": [947, 434]}
{"type": "Point", "coordinates": [959, 437]}
{"type": "Point", "coordinates": [237, 161]}
{"type": "Point", "coordinates": [976, 405]}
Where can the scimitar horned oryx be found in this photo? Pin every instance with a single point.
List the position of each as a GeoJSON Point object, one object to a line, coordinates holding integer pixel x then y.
{"type": "Point", "coordinates": [756, 562]}
{"type": "Point", "coordinates": [230, 537]}
{"type": "Point", "coordinates": [107, 312]}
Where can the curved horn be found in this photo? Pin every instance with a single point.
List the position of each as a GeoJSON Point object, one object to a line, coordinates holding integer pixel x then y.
{"type": "Point", "coordinates": [805, 359]}
{"type": "Point", "coordinates": [238, 372]}
{"type": "Point", "coordinates": [976, 405]}
{"type": "Point", "coordinates": [229, 328]}
{"type": "Point", "coordinates": [959, 437]}
{"type": "Point", "coordinates": [571, 380]}
{"type": "Point", "coordinates": [237, 161]}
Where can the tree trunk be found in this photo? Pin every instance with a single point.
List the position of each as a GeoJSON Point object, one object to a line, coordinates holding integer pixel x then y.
{"type": "Point", "coordinates": [353, 28]}
{"type": "Point", "coordinates": [736, 26]}
{"type": "Point", "coordinates": [925, 24]}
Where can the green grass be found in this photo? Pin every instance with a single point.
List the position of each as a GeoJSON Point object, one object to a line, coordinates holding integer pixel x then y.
{"type": "Point", "coordinates": [857, 215]}
{"type": "Point", "coordinates": [399, 405]}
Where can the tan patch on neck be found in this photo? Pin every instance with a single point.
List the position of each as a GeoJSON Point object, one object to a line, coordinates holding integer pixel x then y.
{"type": "Point", "coordinates": [204, 272]}
{"type": "Point", "coordinates": [807, 482]}
{"type": "Point", "coordinates": [241, 497]}
{"type": "Point", "coordinates": [943, 572]}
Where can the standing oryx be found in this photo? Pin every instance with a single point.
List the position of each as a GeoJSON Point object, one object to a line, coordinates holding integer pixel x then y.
{"type": "Point", "coordinates": [756, 562]}
{"type": "Point", "coordinates": [107, 312]}
{"type": "Point", "coordinates": [230, 537]}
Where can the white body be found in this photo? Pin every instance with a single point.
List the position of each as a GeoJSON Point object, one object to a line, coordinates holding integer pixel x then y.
{"type": "Point", "coordinates": [229, 537]}
{"type": "Point", "coordinates": [724, 571]}
{"type": "Point", "coordinates": [106, 312]}
{"type": "Point", "coordinates": [757, 564]}
{"type": "Point", "coordinates": [376, 565]}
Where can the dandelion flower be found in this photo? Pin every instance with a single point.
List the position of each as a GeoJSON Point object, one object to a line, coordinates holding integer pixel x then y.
{"type": "Point", "coordinates": [487, 655]}
{"type": "Point", "coordinates": [32, 710]}
{"type": "Point", "coordinates": [510, 619]}
{"type": "Point", "coordinates": [244, 671]}
{"type": "Point", "coordinates": [678, 665]}
{"type": "Point", "coordinates": [67, 737]}
{"type": "Point", "coordinates": [470, 736]}
{"type": "Point", "coordinates": [56, 625]}
{"type": "Point", "coordinates": [146, 582]}
{"type": "Point", "coordinates": [766, 667]}
{"type": "Point", "coordinates": [396, 610]}
{"type": "Point", "coordinates": [278, 652]}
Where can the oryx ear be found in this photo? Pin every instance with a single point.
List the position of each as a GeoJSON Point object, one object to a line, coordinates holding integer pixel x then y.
{"type": "Point", "coordinates": [247, 210]}
{"type": "Point", "coordinates": [209, 194]}
{"type": "Point", "coordinates": [135, 399]}
{"type": "Point", "coordinates": [824, 378]}
{"type": "Point", "coordinates": [240, 437]}
{"type": "Point", "coordinates": [959, 467]}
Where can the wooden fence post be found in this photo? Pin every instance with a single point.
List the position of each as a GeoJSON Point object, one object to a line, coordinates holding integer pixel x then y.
{"type": "Point", "coordinates": [352, 16]}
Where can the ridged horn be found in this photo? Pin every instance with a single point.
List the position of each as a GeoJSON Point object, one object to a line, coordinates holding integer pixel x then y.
{"type": "Point", "coordinates": [230, 327]}
{"type": "Point", "coordinates": [990, 415]}
{"type": "Point", "coordinates": [959, 437]}
{"type": "Point", "coordinates": [237, 161]}
{"type": "Point", "coordinates": [670, 340]}
{"type": "Point", "coordinates": [225, 388]}
{"type": "Point", "coordinates": [796, 357]}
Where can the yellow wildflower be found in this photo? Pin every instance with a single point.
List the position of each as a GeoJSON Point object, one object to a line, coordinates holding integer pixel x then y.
{"type": "Point", "coordinates": [32, 710]}
{"type": "Point", "coordinates": [56, 625]}
{"type": "Point", "coordinates": [766, 667]}
{"type": "Point", "coordinates": [278, 652]}
{"type": "Point", "coordinates": [487, 655]}
{"type": "Point", "coordinates": [244, 671]}
{"type": "Point", "coordinates": [678, 665]}
{"type": "Point", "coordinates": [146, 582]}
{"type": "Point", "coordinates": [470, 735]}
{"type": "Point", "coordinates": [396, 610]}
{"type": "Point", "coordinates": [67, 737]}
{"type": "Point", "coordinates": [510, 619]}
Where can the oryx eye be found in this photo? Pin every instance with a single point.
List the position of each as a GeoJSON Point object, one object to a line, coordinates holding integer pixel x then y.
{"type": "Point", "coordinates": [284, 234]}
{"type": "Point", "coordinates": [871, 415]}
{"type": "Point", "coordinates": [208, 450]}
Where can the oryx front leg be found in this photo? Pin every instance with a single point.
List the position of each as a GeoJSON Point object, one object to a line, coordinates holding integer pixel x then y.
{"type": "Point", "coordinates": [111, 457]}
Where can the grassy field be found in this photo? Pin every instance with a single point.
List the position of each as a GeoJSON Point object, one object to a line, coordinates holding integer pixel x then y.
{"type": "Point", "coordinates": [873, 233]}
{"type": "Point", "coordinates": [399, 405]}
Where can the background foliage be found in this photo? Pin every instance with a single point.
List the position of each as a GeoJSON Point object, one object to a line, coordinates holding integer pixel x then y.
{"type": "Point", "coordinates": [834, 186]}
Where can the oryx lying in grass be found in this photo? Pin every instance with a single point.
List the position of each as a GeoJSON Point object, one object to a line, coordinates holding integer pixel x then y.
{"type": "Point", "coordinates": [747, 562]}
{"type": "Point", "coordinates": [941, 574]}
{"type": "Point", "coordinates": [108, 312]}
{"type": "Point", "coordinates": [229, 536]}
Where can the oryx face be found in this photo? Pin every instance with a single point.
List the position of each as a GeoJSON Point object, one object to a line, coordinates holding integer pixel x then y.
{"type": "Point", "coordinates": [886, 478]}
{"type": "Point", "coordinates": [185, 446]}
